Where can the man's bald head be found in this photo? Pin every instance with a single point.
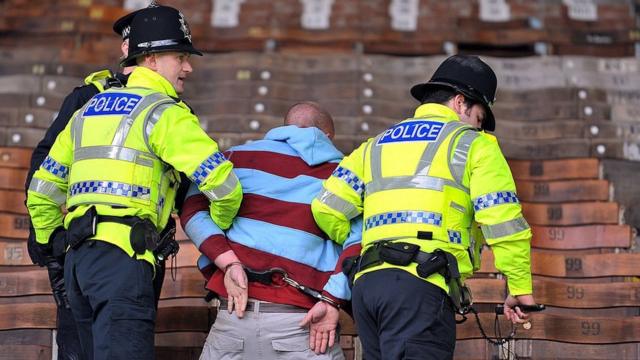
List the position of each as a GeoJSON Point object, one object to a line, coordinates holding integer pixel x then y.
{"type": "Point", "coordinates": [310, 114]}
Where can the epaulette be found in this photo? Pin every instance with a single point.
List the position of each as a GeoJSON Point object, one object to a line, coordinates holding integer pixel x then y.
{"type": "Point", "coordinates": [102, 80]}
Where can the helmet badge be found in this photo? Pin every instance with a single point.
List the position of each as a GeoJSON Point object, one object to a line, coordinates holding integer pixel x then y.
{"type": "Point", "coordinates": [184, 27]}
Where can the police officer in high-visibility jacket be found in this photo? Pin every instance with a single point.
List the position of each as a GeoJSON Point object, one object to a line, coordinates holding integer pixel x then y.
{"type": "Point", "coordinates": [421, 186]}
{"type": "Point", "coordinates": [116, 167]}
{"type": "Point", "coordinates": [50, 255]}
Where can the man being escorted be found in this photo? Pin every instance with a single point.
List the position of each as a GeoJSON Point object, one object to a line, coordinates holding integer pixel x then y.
{"type": "Point", "coordinates": [274, 249]}
{"type": "Point", "coordinates": [420, 186]}
{"type": "Point", "coordinates": [115, 165]}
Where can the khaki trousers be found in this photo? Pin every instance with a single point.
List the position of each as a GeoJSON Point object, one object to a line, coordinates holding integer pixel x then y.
{"type": "Point", "coordinates": [262, 336]}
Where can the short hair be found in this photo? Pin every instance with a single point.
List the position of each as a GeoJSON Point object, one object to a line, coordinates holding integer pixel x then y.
{"type": "Point", "coordinates": [443, 95]}
{"type": "Point", "coordinates": [309, 114]}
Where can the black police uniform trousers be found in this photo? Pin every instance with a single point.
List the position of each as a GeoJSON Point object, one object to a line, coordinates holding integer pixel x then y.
{"type": "Point", "coordinates": [400, 316]}
{"type": "Point", "coordinates": [67, 337]}
{"type": "Point", "coordinates": [113, 303]}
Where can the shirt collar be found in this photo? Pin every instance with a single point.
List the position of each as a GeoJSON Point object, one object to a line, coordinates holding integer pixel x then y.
{"type": "Point", "coordinates": [147, 78]}
{"type": "Point", "coordinates": [433, 110]}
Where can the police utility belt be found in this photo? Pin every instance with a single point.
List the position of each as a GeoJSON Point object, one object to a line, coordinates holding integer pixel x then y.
{"type": "Point", "coordinates": [403, 254]}
{"type": "Point", "coordinates": [143, 235]}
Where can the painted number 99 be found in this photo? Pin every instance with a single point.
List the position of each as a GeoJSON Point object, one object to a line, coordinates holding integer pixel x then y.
{"type": "Point", "coordinates": [575, 292]}
{"type": "Point", "coordinates": [590, 328]}
{"type": "Point", "coordinates": [573, 264]}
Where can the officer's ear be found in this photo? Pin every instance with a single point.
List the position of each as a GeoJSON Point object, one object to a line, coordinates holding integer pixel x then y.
{"type": "Point", "coordinates": [458, 103]}
{"type": "Point", "coordinates": [149, 61]}
{"type": "Point", "coordinates": [124, 47]}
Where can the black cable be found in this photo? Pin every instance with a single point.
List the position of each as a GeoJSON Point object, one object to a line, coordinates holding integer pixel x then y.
{"type": "Point", "coordinates": [499, 340]}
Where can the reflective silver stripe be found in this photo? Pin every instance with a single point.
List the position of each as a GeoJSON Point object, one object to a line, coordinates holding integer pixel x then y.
{"type": "Point", "coordinates": [411, 182]}
{"type": "Point", "coordinates": [223, 189]}
{"type": "Point", "coordinates": [127, 120]}
{"type": "Point", "coordinates": [338, 204]}
{"type": "Point", "coordinates": [114, 153]}
{"type": "Point", "coordinates": [78, 124]}
{"type": "Point", "coordinates": [376, 159]}
{"type": "Point", "coordinates": [506, 228]}
{"type": "Point", "coordinates": [123, 131]}
{"type": "Point", "coordinates": [153, 116]}
{"type": "Point", "coordinates": [48, 189]}
{"type": "Point", "coordinates": [458, 207]}
{"type": "Point", "coordinates": [458, 161]}
{"type": "Point", "coordinates": [430, 151]}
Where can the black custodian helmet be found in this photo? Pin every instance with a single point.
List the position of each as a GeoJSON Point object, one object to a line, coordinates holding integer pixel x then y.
{"type": "Point", "coordinates": [467, 75]}
{"type": "Point", "coordinates": [156, 29]}
{"type": "Point", "coordinates": [122, 26]}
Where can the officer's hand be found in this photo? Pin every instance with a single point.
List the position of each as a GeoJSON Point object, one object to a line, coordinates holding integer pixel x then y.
{"type": "Point", "coordinates": [56, 279]}
{"type": "Point", "coordinates": [37, 252]}
{"type": "Point", "coordinates": [58, 243]}
{"type": "Point", "coordinates": [322, 319]}
{"type": "Point", "coordinates": [235, 282]}
{"type": "Point", "coordinates": [513, 313]}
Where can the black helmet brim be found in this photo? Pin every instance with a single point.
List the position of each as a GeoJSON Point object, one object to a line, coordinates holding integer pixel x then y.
{"type": "Point", "coordinates": [131, 59]}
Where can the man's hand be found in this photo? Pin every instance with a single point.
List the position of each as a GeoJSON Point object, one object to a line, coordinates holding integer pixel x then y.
{"type": "Point", "coordinates": [513, 313]}
{"type": "Point", "coordinates": [235, 282]}
{"type": "Point", "coordinates": [322, 319]}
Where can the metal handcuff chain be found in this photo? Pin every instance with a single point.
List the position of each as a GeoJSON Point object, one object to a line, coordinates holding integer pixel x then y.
{"type": "Point", "coordinates": [266, 277]}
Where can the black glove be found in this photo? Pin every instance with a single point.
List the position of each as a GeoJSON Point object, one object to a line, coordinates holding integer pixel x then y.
{"type": "Point", "coordinates": [40, 253]}
{"type": "Point", "coordinates": [58, 244]}
{"type": "Point", "coordinates": [37, 252]}
{"type": "Point", "coordinates": [56, 279]}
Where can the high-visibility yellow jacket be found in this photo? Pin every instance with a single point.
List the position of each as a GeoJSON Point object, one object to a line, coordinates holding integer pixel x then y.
{"type": "Point", "coordinates": [121, 153]}
{"type": "Point", "coordinates": [435, 174]}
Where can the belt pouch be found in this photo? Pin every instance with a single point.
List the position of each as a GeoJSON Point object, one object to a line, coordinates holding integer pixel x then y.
{"type": "Point", "coordinates": [398, 253]}
{"type": "Point", "coordinates": [82, 228]}
{"type": "Point", "coordinates": [143, 236]}
{"type": "Point", "coordinates": [436, 263]}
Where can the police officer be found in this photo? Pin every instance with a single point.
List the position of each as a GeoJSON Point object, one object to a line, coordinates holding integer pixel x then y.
{"type": "Point", "coordinates": [420, 186]}
{"type": "Point", "coordinates": [67, 334]}
{"type": "Point", "coordinates": [115, 165]}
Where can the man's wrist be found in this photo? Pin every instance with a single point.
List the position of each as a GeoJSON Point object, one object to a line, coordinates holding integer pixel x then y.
{"type": "Point", "coordinates": [330, 301]}
{"type": "Point", "coordinates": [233, 263]}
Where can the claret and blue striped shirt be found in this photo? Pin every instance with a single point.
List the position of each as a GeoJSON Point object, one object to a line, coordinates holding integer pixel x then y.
{"type": "Point", "coordinates": [280, 175]}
